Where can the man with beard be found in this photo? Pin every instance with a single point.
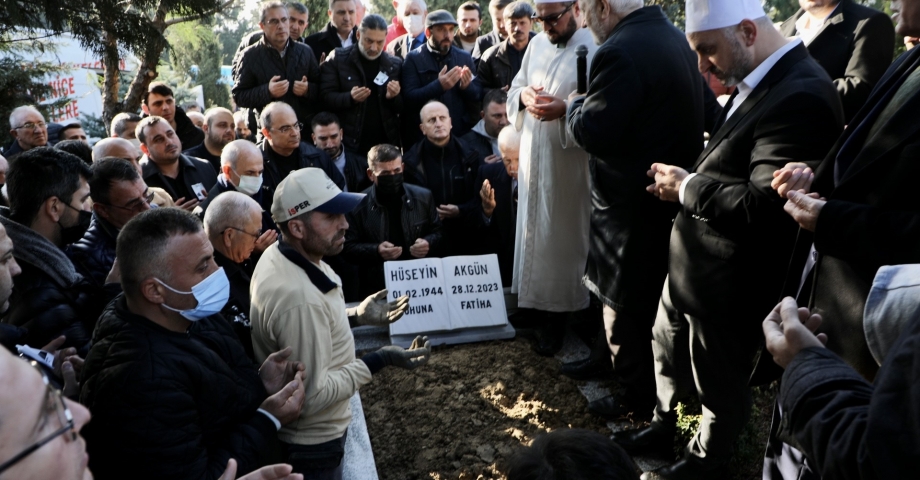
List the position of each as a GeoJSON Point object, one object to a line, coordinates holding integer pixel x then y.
{"type": "Point", "coordinates": [731, 233]}
{"type": "Point", "coordinates": [643, 81]}
{"type": "Point", "coordinates": [218, 132]}
{"type": "Point", "coordinates": [498, 33]}
{"type": "Point", "coordinates": [440, 71]}
{"type": "Point", "coordinates": [360, 84]}
{"type": "Point", "coordinates": [470, 17]}
{"type": "Point", "coordinates": [500, 63]}
{"type": "Point", "coordinates": [327, 136]}
{"type": "Point", "coordinates": [186, 179]}
{"type": "Point", "coordinates": [554, 188]}
{"type": "Point", "coordinates": [28, 129]}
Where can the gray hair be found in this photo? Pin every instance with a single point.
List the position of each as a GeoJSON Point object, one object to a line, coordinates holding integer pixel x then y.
{"type": "Point", "coordinates": [18, 112]}
{"type": "Point", "coordinates": [228, 210]}
{"type": "Point", "coordinates": [265, 118]}
{"type": "Point", "coordinates": [297, 7]}
{"type": "Point", "coordinates": [373, 22]}
{"type": "Point", "coordinates": [121, 121]}
{"type": "Point", "coordinates": [269, 6]}
{"type": "Point", "coordinates": [509, 137]}
{"type": "Point", "coordinates": [234, 150]}
{"type": "Point", "coordinates": [212, 112]}
{"type": "Point", "coordinates": [421, 4]}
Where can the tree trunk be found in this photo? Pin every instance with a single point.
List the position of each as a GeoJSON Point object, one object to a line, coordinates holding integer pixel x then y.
{"type": "Point", "coordinates": [111, 105]}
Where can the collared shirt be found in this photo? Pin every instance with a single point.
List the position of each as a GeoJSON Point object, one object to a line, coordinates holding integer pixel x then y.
{"type": "Point", "coordinates": [745, 88]}
{"type": "Point", "coordinates": [415, 42]}
{"type": "Point", "coordinates": [340, 165]}
{"type": "Point", "coordinates": [285, 49]}
{"type": "Point", "coordinates": [349, 40]}
{"type": "Point", "coordinates": [808, 26]}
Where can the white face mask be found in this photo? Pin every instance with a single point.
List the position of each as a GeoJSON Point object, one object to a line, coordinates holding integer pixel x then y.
{"type": "Point", "coordinates": [249, 185]}
{"type": "Point", "coordinates": [414, 24]}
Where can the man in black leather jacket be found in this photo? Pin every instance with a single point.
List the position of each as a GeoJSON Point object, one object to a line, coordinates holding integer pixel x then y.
{"type": "Point", "coordinates": [397, 221]}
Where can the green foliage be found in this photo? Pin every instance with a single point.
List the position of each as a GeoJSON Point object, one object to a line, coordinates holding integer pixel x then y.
{"type": "Point", "coordinates": [180, 83]}
{"type": "Point", "coordinates": [688, 422]}
{"type": "Point", "coordinates": [93, 126]}
{"type": "Point", "coordinates": [24, 81]}
{"type": "Point", "coordinates": [195, 43]}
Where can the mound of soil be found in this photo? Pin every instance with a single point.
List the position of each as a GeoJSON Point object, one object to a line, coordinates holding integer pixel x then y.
{"type": "Point", "coordinates": [466, 411]}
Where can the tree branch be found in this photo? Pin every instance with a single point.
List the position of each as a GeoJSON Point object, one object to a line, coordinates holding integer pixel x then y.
{"type": "Point", "coordinates": [197, 16]}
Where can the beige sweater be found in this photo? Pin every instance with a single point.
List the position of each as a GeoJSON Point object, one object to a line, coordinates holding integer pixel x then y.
{"type": "Point", "coordinates": [289, 310]}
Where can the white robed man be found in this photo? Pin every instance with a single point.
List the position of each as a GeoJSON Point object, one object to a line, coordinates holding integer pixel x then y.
{"type": "Point", "coordinates": [554, 202]}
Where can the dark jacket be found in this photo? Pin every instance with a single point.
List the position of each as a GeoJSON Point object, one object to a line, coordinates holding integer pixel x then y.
{"type": "Point", "coordinates": [310, 156]}
{"type": "Point", "coordinates": [871, 218]}
{"type": "Point", "coordinates": [340, 73]}
{"type": "Point", "coordinates": [420, 85]}
{"type": "Point", "coordinates": [260, 62]}
{"type": "Point", "coordinates": [236, 311]}
{"type": "Point", "coordinates": [49, 297]}
{"type": "Point", "coordinates": [854, 47]}
{"type": "Point", "coordinates": [479, 143]}
{"type": "Point", "coordinates": [848, 428]}
{"type": "Point", "coordinates": [732, 237]}
{"type": "Point", "coordinates": [327, 40]}
{"type": "Point", "coordinates": [368, 227]}
{"type": "Point", "coordinates": [172, 404]}
{"type": "Point", "coordinates": [494, 67]}
{"type": "Point", "coordinates": [202, 152]}
{"type": "Point", "coordinates": [484, 43]}
{"type": "Point", "coordinates": [643, 80]}
{"type": "Point", "coordinates": [188, 133]}
{"type": "Point", "coordinates": [356, 172]}
{"type": "Point", "coordinates": [194, 171]}
{"type": "Point", "coordinates": [94, 254]}
{"type": "Point", "coordinates": [263, 197]}
{"type": "Point", "coordinates": [498, 235]}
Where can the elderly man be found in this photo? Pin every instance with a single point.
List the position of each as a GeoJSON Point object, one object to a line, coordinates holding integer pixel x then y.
{"type": "Point", "coordinates": [196, 117]}
{"type": "Point", "coordinates": [123, 126]}
{"type": "Point", "coordinates": [327, 136]}
{"type": "Point", "coordinates": [469, 15]}
{"type": "Point", "coordinates": [28, 129]}
{"type": "Point", "coordinates": [277, 68]}
{"type": "Point", "coordinates": [241, 170]}
{"type": "Point", "coordinates": [119, 194]}
{"type": "Point", "coordinates": [218, 132]}
{"type": "Point", "coordinates": [484, 136]}
{"type": "Point", "coordinates": [852, 42]}
{"type": "Point", "coordinates": [628, 256]}
{"type": "Point", "coordinates": [159, 101]}
{"type": "Point", "coordinates": [440, 71]}
{"type": "Point", "coordinates": [162, 348]}
{"type": "Point", "coordinates": [377, 229]}
{"type": "Point", "coordinates": [447, 167]}
{"type": "Point", "coordinates": [48, 191]}
{"type": "Point", "coordinates": [730, 232]}
{"type": "Point", "coordinates": [411, 15]}
{"type": "Point", "coordinates": [498, 33]}
{"type": "Point", "coordinates": [549, 263]}
{"type": "Point", "coordinates": [297, 301]}
{"type": "Point", "coordinates": [340, 32]}
{"type": "Point", "coordinates": [186, 179]}
{"type": "Point", "coordinates": [497, 185]}
{"type": "Point", "coordinates": [283, 151]}
{"type": "Point", "coordinates": [233, 224]}
{"type": "Point", "coordinates": [360, 84]}
{"type": "Point", "coordinates": [500, 63]}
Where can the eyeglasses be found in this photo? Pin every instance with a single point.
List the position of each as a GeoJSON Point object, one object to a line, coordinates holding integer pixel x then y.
{"type": "Point", "coordinates": [31, 126]}
{"type": "Point", "coordinates": [291, 128]}
{"type": "Point", "coordinates": [54, 400]}
{"type": "Point", "coordinates": [552, 20]}
{"type": "Point", "coordinates": [256, 235]}
{"type": "Point", "coordinates": [135, 206]}
{"type": "Point", "coordinates": [274, 22]}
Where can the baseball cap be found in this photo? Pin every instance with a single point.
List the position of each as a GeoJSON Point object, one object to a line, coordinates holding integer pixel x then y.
{"type": "Point", "coordinates": [311, 189]}
{"type": "Point", "coordinates": [439, 17]}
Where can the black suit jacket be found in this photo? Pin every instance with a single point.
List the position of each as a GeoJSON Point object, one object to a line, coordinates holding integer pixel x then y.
{"type": "Point", "coordinates": [871, 219]}
{"type": "Point", "coordinates": [194, 170]}
{"type": "Point", "coordinates": [854, 47]}
{"type": "Point", "coordinates": [643, 81]}
{"type": "Point", "coordinates": [498, 235]}
{"type": "Point", "coordinates": [732, 240]}
{"type": "Point", "coordinates": [327, 40]}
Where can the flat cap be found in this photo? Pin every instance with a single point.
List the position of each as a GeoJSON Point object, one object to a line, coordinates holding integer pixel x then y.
{"type": "Point", "coordinates": [440, 17]}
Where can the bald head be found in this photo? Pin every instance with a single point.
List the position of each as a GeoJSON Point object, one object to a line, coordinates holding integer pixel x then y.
{"type": "Point", "coordinates": [115, 147]}
{"type": "Point", "coordinates": [233, 223]}
{"type": "Point", "coordinates": [436, 123]}
{"type": "Point", "coordinates": [239, 149]}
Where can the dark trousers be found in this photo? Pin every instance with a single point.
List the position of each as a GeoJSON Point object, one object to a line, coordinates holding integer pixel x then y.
{"type": "Point", "coordinates": [317, 462]}
{"type": "Point", "coordinates": [629, 338]}
{"type": "Point", "coordinates": [714, 359]}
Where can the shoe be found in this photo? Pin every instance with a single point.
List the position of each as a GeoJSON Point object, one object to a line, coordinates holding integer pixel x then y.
{"type": "Point", "coordinates": [688, 468]}
{"type": "Point", "coordinates": [548, 342]}
{"type": "Point", "coordinates": [654, 439]}
{"type": "Point", "coordinates": [611, 407]}
{"type": "Point", "coordinates": [588, 369]}
{"type": "Point", "coordinates": [526, 318]}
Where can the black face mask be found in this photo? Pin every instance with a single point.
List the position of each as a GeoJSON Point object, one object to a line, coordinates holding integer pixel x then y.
{"type": "Point", "coordinates": [76, 231]}
{"type": "Point", "coordinates": [390, 185]}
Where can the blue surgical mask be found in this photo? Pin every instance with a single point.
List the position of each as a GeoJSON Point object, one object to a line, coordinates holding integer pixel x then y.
{"type": "Point", "coordinates": [212, 294]}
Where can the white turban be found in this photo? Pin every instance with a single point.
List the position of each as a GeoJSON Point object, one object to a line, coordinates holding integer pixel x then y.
{"type": "Point", "coordinates": [705, 15]}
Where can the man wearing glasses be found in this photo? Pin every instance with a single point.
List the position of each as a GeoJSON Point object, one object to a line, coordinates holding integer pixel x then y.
{"type": "Point", "coordinates": [283, 151]}
{"type": "Point", "coordinates": [277, 69]}
{"type": "Point", "coordinates": [553, 188]}
{"type": "Point", "coordinates": [29, 130]}
{"type": "Point", "coordinates": [119, 194]}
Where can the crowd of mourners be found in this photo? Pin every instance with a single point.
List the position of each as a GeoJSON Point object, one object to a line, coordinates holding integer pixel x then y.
{"type": "Point", "coordinates": [725, 206]}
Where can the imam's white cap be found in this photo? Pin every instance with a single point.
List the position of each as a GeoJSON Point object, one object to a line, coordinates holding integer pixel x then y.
{"type": "Point", "coordinates": [705, 15]}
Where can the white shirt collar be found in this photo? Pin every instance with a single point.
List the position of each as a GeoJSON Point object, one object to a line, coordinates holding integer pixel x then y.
{"type": "Point", "coordinates": [754, 78]}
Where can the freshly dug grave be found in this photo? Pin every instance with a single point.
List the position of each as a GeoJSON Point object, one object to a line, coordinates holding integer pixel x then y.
{"type": "Point", "coordinates": [465, 412]}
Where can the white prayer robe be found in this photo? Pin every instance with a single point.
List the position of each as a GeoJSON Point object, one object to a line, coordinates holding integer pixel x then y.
{"type": "Point", "coordinates": [554, 193]}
